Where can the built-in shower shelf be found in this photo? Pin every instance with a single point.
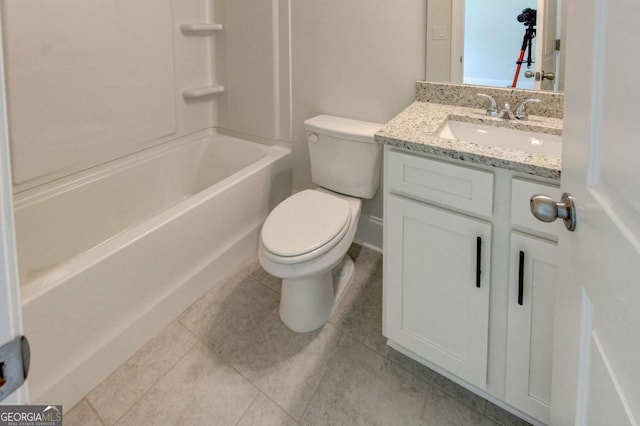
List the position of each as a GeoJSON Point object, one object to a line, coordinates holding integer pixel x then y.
{"type": "Point", "coordinates": [202, 91]}
{"type": "Point", "coordinates": [200, 29]}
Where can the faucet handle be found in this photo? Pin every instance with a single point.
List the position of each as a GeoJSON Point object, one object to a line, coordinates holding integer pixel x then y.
{"type": "Point", "coordinates": [493, 109]}
{"type": "Point", "coordinates": [521, 113]}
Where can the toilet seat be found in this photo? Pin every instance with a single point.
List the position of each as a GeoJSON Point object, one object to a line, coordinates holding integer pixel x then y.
{"type": "Point", "coordinates": [305, 226]}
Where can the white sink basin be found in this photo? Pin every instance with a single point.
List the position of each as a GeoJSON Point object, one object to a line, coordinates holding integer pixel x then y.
{"type": "Point", "coordinates": [518, 140]}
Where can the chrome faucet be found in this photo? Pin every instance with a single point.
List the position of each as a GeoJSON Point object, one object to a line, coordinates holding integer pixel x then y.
{"type": "Point", "coordinates": [506, 113]}
{"type": "Point", "coordinates": [492, 111]}
{"type": "Point", "coordinates": [521, 113]}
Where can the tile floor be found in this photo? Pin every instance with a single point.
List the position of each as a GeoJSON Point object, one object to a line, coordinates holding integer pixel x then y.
{"type": "Point", "coordinates": [228, 360]}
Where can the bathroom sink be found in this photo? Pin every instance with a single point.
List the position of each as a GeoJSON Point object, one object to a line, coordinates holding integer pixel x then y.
{"type": "Point", "coordinates": [503, 137]}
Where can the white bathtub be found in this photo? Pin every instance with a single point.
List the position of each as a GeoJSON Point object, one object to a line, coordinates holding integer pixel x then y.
{"type": "Point", "coordinates": [107, 259]}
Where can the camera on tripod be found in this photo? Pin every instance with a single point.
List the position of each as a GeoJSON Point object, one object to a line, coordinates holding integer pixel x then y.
{"type": "Point", "coordinates": [528, 16]}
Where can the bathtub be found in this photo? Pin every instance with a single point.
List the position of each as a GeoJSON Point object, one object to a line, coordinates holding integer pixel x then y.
{"type": "Point", "coordinates": [108, 258]}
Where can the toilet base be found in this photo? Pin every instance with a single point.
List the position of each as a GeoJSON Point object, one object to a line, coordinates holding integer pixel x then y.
{"type": "Point", "coordinates": [307, 302]}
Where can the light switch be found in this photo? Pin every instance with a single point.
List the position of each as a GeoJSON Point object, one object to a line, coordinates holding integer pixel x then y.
{"type": "Point", "coordinates": [439, 33]}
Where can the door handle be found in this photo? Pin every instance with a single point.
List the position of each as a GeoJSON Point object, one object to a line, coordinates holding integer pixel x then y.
{"type": "Point", "coordinates": [478, 260]}
{"type": "Point", "coordinates": [540, 75]}
{"type": "Point", "coordinates": [521, 278]}
{"type": "Point", "coordinates": [548, 76]}
{"type": "Point", "coordinates": [15, 358]}
{"type": "Point", "coordinates": [545, 209]}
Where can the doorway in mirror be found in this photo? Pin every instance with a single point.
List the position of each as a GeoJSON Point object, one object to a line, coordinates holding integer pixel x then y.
{"type": "Point", "coordinates": [486, 39]}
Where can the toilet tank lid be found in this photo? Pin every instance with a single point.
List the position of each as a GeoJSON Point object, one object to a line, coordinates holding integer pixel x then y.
{"type": "Point", "coordinates": [340, 127]}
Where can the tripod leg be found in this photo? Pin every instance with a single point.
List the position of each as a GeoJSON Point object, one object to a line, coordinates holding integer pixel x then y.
{"type": "Point", "coordinates": [515, 77]}
{"type": "Point", "coordinates": [526, 44]}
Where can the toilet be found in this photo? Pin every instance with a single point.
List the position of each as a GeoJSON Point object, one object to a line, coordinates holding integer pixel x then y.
{"type": "Point", "coordinates": [304, 240]}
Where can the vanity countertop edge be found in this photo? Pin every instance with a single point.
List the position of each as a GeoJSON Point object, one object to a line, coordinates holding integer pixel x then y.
{"type": "Point", "coordinates": [416, 128]}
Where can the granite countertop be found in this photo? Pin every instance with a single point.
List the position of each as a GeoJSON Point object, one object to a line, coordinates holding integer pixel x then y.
{"type": "Point", "coordinates": [415, 129]}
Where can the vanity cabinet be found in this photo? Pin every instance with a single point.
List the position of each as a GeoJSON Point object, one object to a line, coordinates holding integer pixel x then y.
{"type": "Point", "coordinates": [532, 277]}
{"type": "Point", "coordinates": [532, 280]}
{"type": "Point", "coordinates": [440, 305]}
{"type": "Point", "coordinates": [458, 294]}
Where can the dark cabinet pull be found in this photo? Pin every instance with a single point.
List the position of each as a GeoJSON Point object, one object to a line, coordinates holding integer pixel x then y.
{"type": "Point", "coordinates": [478, 260]}
{"type": "Point", "coordinates": [521, 278]}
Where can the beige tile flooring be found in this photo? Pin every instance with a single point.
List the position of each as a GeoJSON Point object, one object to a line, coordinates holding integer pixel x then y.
{"type": "Point", "coordinates": [228, 360]}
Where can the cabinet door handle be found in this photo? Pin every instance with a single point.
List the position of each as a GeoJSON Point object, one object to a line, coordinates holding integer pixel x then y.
{"type": "Point", "coordinates": [478, 260]}
{"type": "Point", "coordinates": [521, 278]}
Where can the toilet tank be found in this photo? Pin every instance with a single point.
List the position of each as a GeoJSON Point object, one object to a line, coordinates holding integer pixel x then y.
{"type": "Point", "coordinates": [344, 156]}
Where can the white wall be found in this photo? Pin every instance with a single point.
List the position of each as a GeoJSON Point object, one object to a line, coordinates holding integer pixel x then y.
{"type": "Point", "coordinates": [87, 83]}
{"type": "Point", "coordinates": [439, 50]}
{"type": "Point", "coordinates": [357, 59]}
{"type": "Point", "coordinates": [256, 69]}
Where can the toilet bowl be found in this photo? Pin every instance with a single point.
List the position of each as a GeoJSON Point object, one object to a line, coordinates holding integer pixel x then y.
{"type": "Point", "coordinates": [305, 239]}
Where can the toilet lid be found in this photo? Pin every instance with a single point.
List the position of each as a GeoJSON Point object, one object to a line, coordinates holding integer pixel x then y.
{"type": "Point", "coordinates": [304, 222]}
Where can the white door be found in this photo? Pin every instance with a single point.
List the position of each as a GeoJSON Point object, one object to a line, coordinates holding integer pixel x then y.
{"type": "Point", "coordinates": [545, 55]}
{"type": "Point", "coordinates": [457, 41]}
{"type": "Point", "coordinates": [596, 372]}
{"type": "Point", "coordinates": [10, 314]}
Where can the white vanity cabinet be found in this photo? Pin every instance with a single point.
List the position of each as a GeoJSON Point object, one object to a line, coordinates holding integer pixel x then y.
{"type": "Point", "coordinates": [452, 277]}
{"type": "Point", "coordinates": [438, 267]}
{"type": "Point", "coordinates": [530, 325]}
{"type": "Point", "coordinates": [532, 280]}
{"type": "Point", "coordinates": [440, 304]}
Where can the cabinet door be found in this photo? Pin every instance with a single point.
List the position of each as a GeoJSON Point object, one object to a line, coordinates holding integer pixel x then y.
{"type": "Point", "coordinates": [435, 305]}
{"type": "Point", "coordinates": [530, 331]}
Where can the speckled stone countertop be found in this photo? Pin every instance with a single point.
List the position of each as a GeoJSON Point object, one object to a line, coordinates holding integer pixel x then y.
{"type": "Point", "coordinates": [551, 105]}
{"type": "Point", "coordinates": [416, 129]}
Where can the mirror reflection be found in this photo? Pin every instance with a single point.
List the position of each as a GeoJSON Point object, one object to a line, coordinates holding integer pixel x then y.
{"type": "Point", "coordinates": [481, 42]}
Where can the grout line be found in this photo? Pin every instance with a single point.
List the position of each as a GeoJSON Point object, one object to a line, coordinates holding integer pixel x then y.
{"type": "Point", "coordinates": [94, 410]}
{"type": "Point", "coordinates": [255, 385]}
{"type": "Point", "coordinates": [424, 405]}
{"type": "Point", "coordinates": [357, 339]}
{"type": "Point", "coordinates": [444, 391]}
{"type": "Point", "coordinates": [260, 390]}
{"type": "Point", "coordinates": [248, 407]}
{"type": "Point", "coordinates": [223, 362]}
{"type": "Point", "coordinates": [280, 407]}
{"type": "Point", "coordinates": [264, 285]}
{"type": "Point", "coordinates": [86, 396]}
{"type": "Point", "coordinates": [155, 382]}
{"type": "Point", "coordinates": [324, 375]}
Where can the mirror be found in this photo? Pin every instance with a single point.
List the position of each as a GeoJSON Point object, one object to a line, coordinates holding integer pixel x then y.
{"type": "Point", "coordinates": [479, 42]}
